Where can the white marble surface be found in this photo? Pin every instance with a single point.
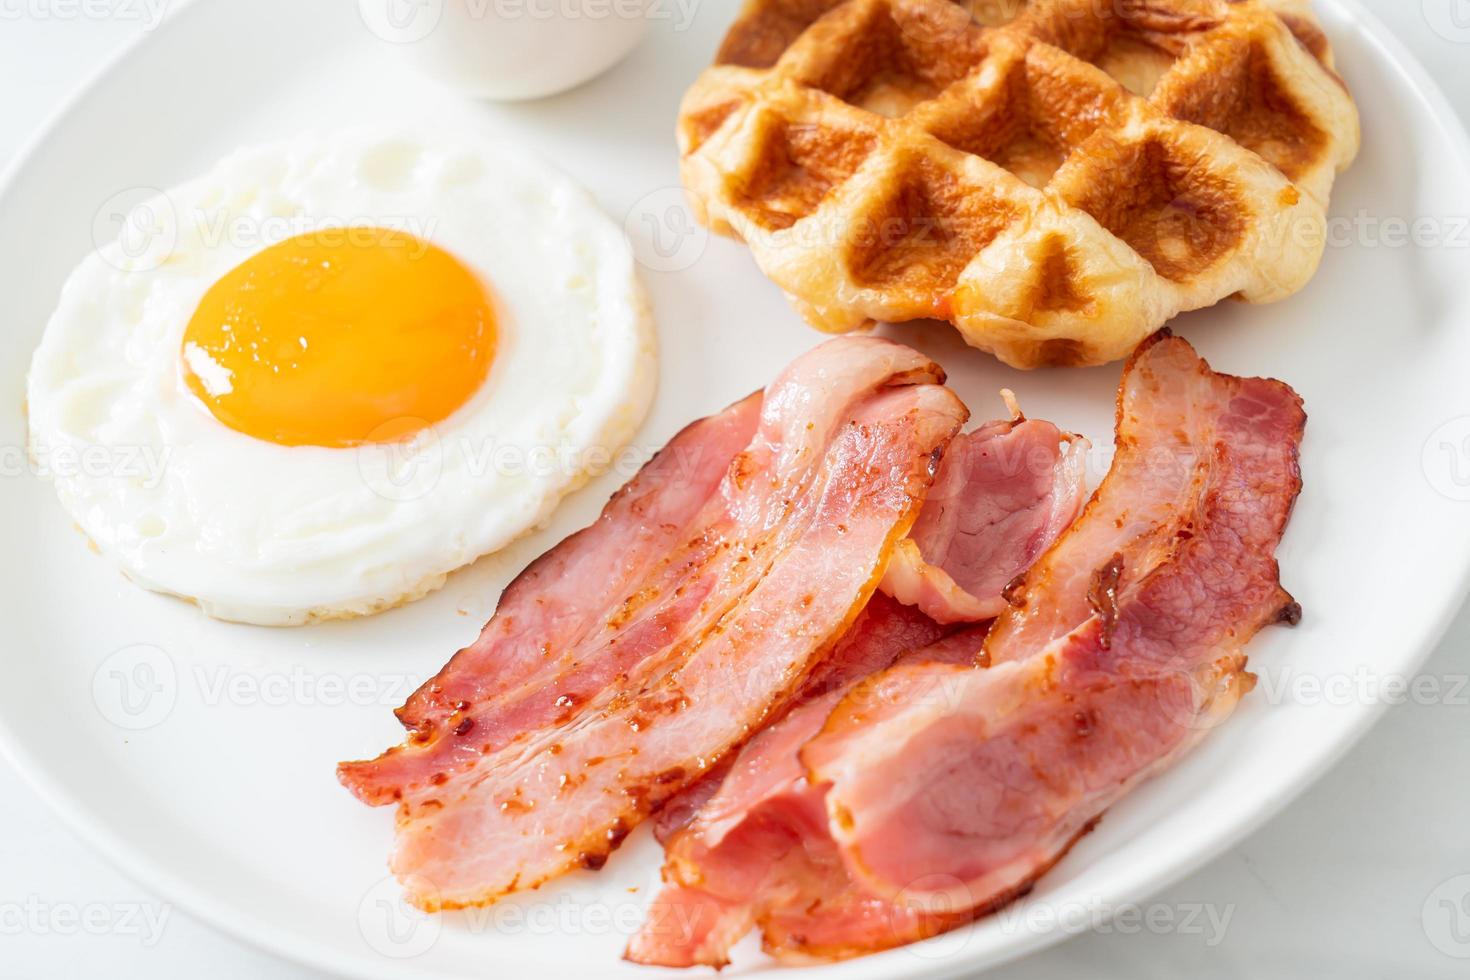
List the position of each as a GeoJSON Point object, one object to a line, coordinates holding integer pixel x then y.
{"type": "Point", "coordinates": [1351, 881]}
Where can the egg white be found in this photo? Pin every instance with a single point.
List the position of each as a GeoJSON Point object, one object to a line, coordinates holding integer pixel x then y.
{"type": "Point", "coordinates": [263, 533]}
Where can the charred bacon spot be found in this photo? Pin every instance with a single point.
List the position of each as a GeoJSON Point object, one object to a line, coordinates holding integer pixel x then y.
{"type": "Point", "coordinates": [1015, 591]}
{"type": "Point", "coordinates": [1103, 597]}
{"type": "Point", "coordinates": [592, 860]}
{"type": "Point", "coordinates": [742, 468]}
{"type": "Point", "coordinates": [935, 458]}
{"type": "Point", "coordinates": [465, 726]}
{"type": "Point", "coordinates": [1290, 614]}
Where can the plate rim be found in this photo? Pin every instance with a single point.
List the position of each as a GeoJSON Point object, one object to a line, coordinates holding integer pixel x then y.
{"type": "Point", "coordinates": [1124, 888]}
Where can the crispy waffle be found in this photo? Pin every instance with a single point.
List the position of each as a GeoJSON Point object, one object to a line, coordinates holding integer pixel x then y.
{"type": "Point", "coordinates": [1057, 178]}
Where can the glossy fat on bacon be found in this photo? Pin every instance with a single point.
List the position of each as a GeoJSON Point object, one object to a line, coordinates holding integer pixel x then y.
{"type": "Point", "coordinates": [1003, 495]}
{"type": "Point", "coordinates": [883, 631]}
{"type": "Point", "coordinates": [570, 794]}
{"type": "Point", "coordinates": [1172, 412]}
{"type": "Point", "coordinates": [568, 590]}
{"type": "Point", "coordinates": [756, 846]}
{"type": "Point", "coordinates": [716, 639]}
{"type": "Point", "coordinates": [936, 792]}
{"type": "Point", "coordinates": [500, 683]}
{"type": "Point", "coordinates": [956, 789]}
{"type": "Point", "coordinates": [595, 606]}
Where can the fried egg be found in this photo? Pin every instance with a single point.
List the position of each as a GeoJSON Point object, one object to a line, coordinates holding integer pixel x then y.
{"type": "Point", "coordinates": [316, 380]}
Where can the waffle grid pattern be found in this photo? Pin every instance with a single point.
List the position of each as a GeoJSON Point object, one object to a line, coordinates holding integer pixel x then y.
{"type": "Point", "coordinates": [1057, 178]}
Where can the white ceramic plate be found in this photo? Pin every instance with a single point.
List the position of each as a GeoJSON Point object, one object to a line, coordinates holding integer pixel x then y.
{"type": "Point", "coordinates": [199, 755]}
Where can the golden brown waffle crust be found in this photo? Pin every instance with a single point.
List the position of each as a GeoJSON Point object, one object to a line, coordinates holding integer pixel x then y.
{"type": "Point", "coordinates": [1057, 178]}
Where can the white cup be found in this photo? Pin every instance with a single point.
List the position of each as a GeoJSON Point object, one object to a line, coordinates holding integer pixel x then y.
{"type": "Point", "coordinates": [510, 49]}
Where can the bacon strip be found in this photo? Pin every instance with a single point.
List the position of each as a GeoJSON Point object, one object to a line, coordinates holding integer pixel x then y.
{"type": "Point", "coordinates": [773, 568]}
{"type": "Point", "coordinates": [511, 679]}
{"type": "Point", "coordinates": [562, 594]}
{"type": "Point", "coordinates": [1172, 412]}
{"type": "Point", "coordinates": [957, 789]}
{"type": "Point", "coordinates": [947, 790]}
{"type": "Point", "coordinates": [1003, 495]}
{"type": "Point", "coordinates": [602, 601]}
{"type": "Point", "coordinates": [757, 845]}
{"type": "Point", "coordinates": [885, 630]}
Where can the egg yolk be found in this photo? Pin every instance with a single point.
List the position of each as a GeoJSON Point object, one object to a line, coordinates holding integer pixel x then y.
{"type": "Point", "coordinates": [340, 337]}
